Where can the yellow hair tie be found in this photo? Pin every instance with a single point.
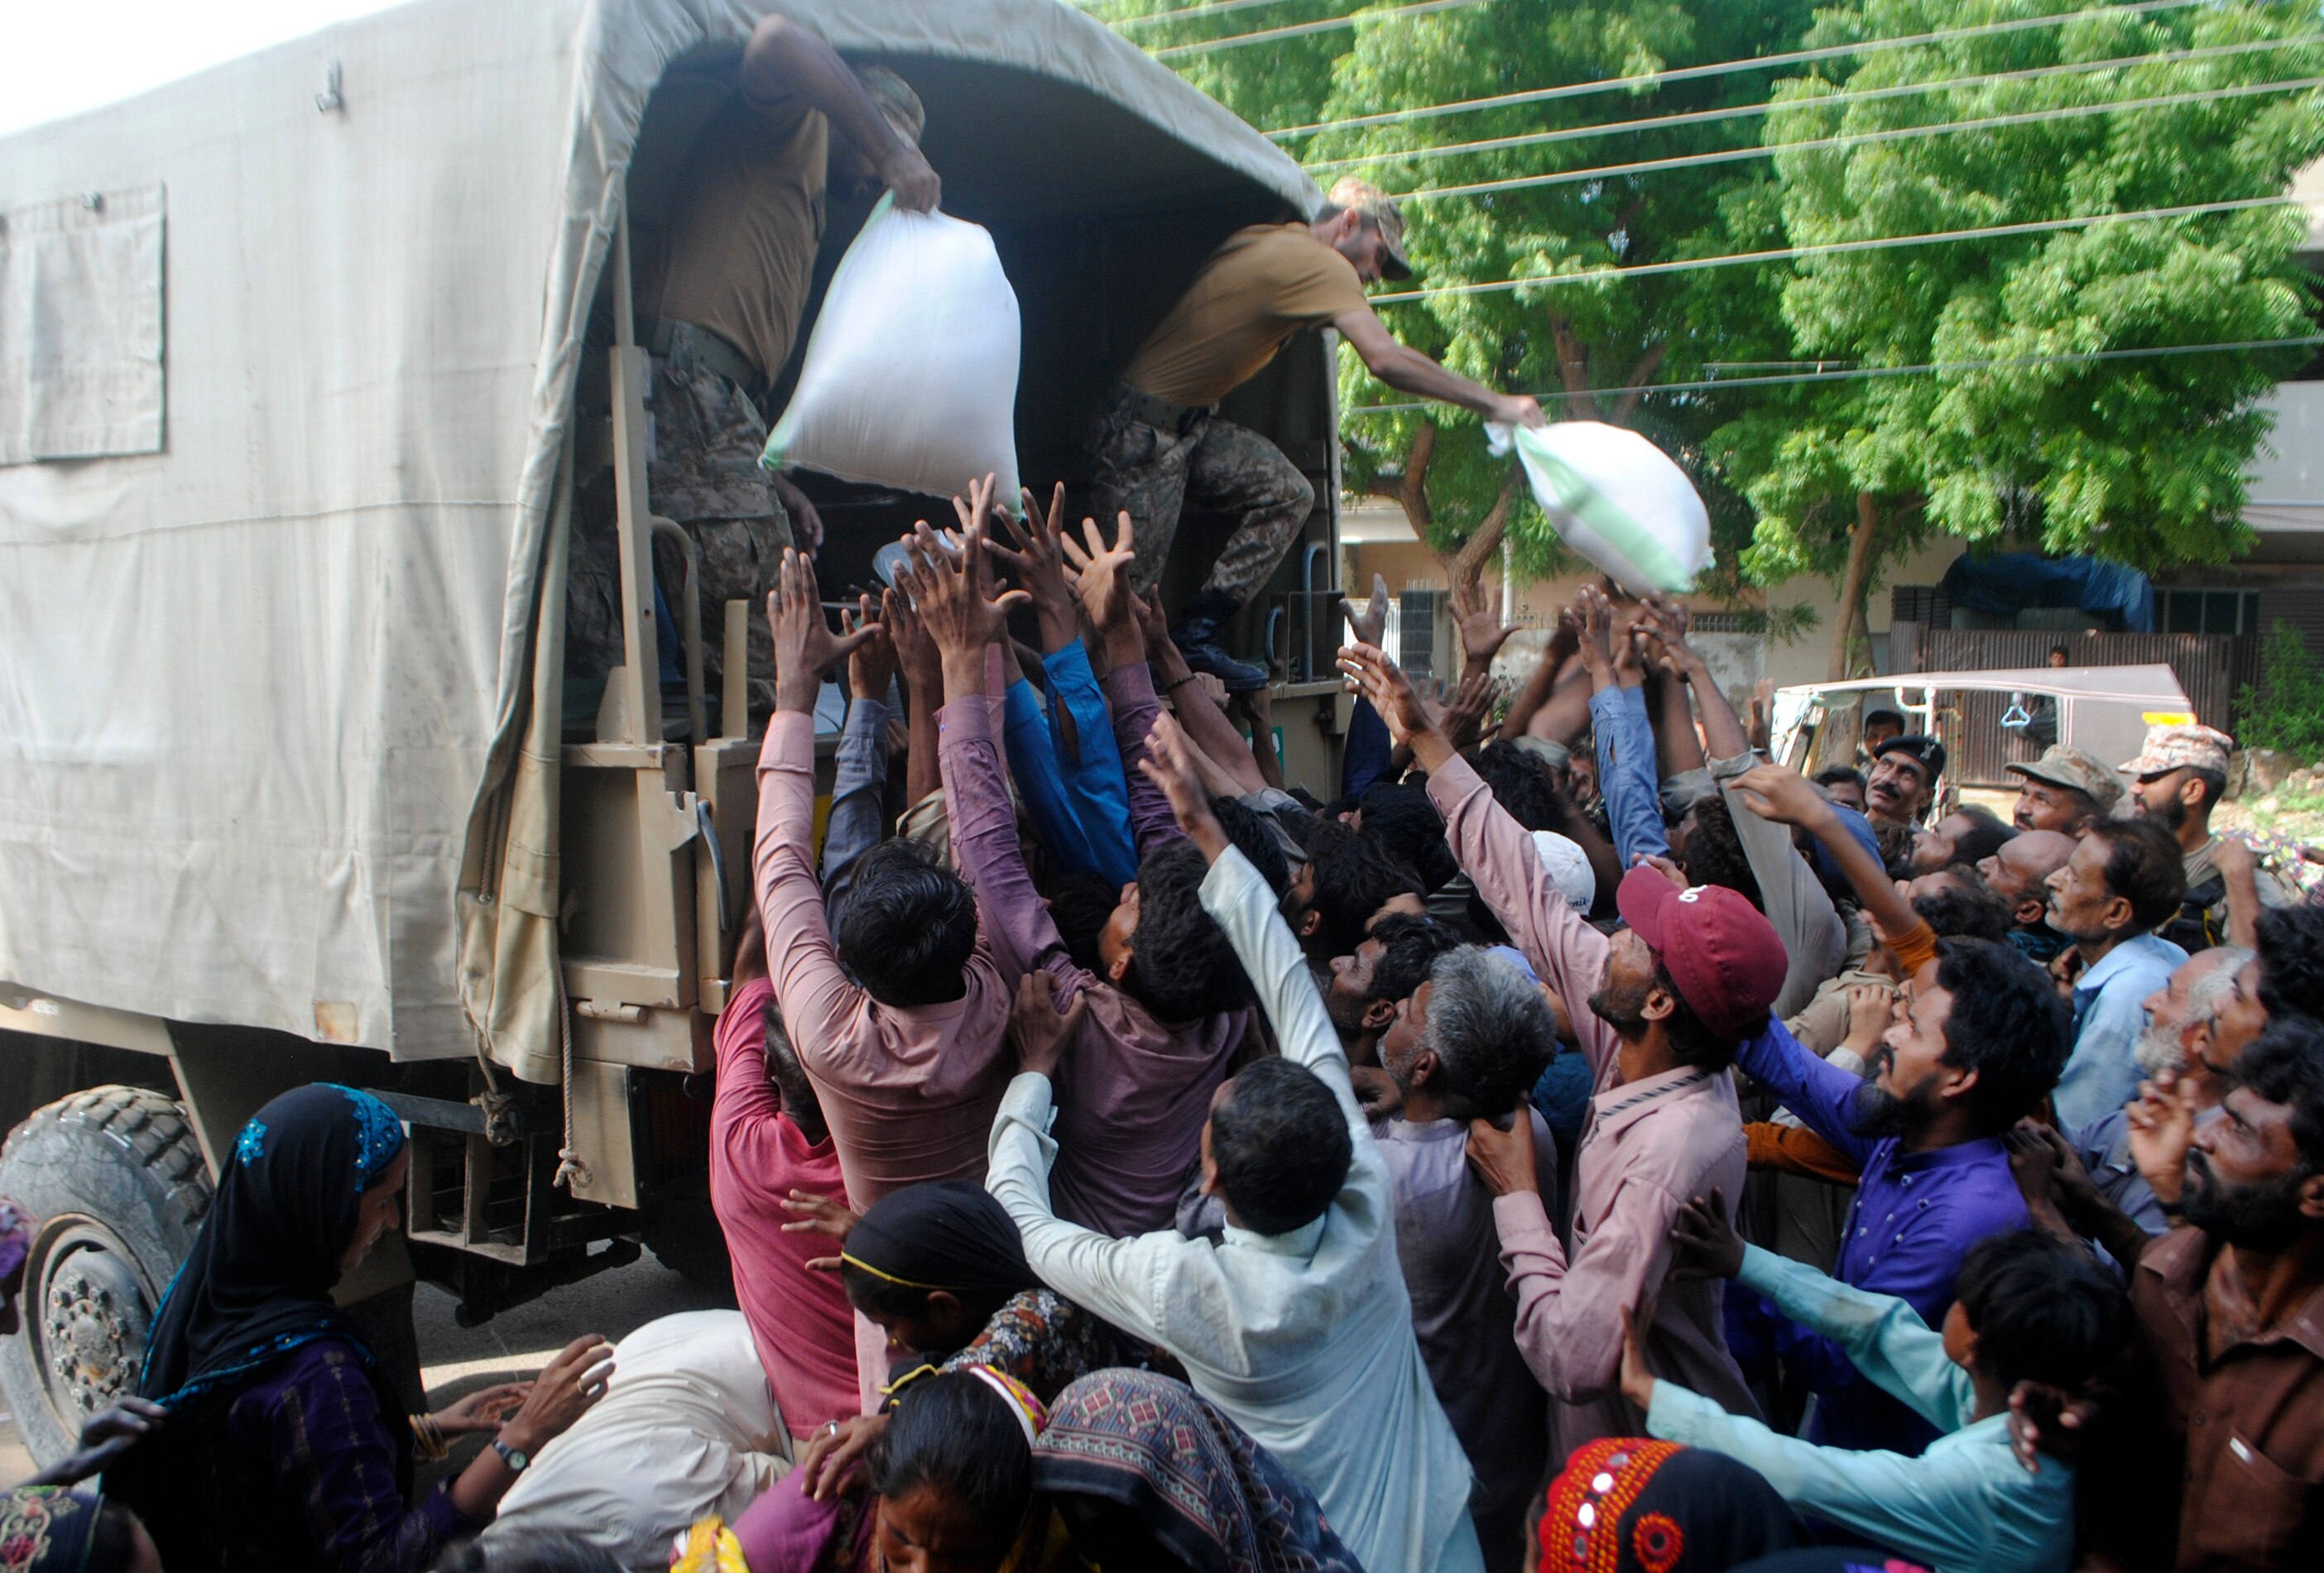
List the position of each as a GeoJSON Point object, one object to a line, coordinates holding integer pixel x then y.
{"type": "Point", "coordinates": [891, 1278]}
{"type": "Point", "coordinates": [710, 1547]}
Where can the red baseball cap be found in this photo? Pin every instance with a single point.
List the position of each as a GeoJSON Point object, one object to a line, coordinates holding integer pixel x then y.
{"type": "Point", "coordinates": [1719, 949]}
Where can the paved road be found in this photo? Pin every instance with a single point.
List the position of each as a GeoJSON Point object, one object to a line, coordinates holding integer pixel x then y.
{"type": "Point", "coordinates": [514, 1344]}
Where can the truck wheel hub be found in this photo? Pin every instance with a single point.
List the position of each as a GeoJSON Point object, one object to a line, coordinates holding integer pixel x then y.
{"type": "Point", "coordinates": [95, 1318]}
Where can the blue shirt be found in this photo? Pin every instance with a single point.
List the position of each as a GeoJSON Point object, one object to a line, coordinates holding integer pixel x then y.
{"type": "Point", "coordinates": [1626, 772]}
{"type": "Point", "coordinates": [2109, 1013]}
{"type": "Point", "coordinates": [1914, 1218]}
{"type": "Point", "coordinates": [1966, 1506]}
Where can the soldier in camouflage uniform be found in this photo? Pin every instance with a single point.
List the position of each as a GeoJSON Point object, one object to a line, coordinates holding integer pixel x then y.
{"type": "Point", "coordinates": [718, 306]}
{"type": "Point", "coordinates": [1159, 440]}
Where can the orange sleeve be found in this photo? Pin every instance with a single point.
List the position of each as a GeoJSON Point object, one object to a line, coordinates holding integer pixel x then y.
{"type": "Point", "coordinates": [1914, 950]}
{"type": "Point", "coordinates": [1794, 1150]}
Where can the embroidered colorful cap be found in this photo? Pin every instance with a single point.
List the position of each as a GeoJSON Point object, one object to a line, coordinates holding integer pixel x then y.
{"type": "Point", "coordinates": [1719, 949]}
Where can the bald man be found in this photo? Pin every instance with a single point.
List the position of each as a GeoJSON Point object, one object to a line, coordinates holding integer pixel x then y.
{"type": "Point", "coordinates": [2018, 872]}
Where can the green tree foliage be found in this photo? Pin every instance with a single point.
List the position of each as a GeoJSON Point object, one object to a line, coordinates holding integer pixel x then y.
{"type": "Point", "coordinates": [2286, 710]}
{"type": "Point", "coordinates": [2138, 460]}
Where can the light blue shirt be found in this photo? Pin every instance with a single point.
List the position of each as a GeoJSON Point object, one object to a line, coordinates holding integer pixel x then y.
{"type": "Point", "coordinates": [1303, 1338]}
{"type": "Point", "coordinates": [1966, 1506]}
{"type": "Point", "coordinates": [2109, 1013]}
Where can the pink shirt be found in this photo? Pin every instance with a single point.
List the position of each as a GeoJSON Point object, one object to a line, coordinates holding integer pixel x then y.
{"type": "Point", "coordinates": [1646, 1148]}
{"type": "Point", "coordinates": [799, 1317]}
{"type": "Point", "coordinates": [909, 1094]}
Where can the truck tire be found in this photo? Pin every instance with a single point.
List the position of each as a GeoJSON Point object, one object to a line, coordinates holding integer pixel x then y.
{"type": "Point", "coordinates": [116, 1177]}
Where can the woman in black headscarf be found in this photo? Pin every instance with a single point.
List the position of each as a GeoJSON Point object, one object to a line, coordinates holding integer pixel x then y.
{"type": "Point", "coordinates": [285, 1444]}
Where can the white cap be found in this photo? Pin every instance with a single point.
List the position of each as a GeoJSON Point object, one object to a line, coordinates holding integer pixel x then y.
{"type": "Point", "coordinates": [1568, 866]}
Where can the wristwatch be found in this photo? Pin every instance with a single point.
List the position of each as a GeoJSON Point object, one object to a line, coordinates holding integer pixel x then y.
{"type": "Point", "coordinates": [516, 1458]}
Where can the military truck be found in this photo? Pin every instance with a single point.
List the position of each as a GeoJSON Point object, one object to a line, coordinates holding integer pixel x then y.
{"type": "Point", "coordinates": [302, 362]}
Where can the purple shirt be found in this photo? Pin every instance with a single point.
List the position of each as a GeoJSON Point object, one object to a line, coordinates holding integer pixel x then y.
{"type": "Point", "coordinates": [306, 1475]}
{"type": "Point", "coordinates": [1132, 1094]}
{"type": "Point", "coordinates": [1915, 1217]}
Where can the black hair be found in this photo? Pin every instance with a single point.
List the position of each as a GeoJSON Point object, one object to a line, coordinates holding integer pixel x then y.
{"type": "Point", "coordinates": [1964, 906]}
{"type": "Point", "coordinates": [1079, 905]}
{"type": "Point", "coordinates": [1714, 854]}
{"type": "Point", "coordinates": [955, 1433]}
{"type": "Point", "coordinates": [1399, 816]}
{"type": "Point", "coordinates": [510, 1551]}
{"type": "Point", "coordinates": [2292, 962]}
{"type": "Point", "coordinates": [1521, 783]}
{"type": "Point", "coordinates": [1834, 775]}
{"type": "Point", "coordinates": [1692, 1042]}
{"type": "Point", "coordinates": [1355, 877]}
{"type": "Point", "coordinates": [1482, 919]}
{"type": "Point", "coordinates": [906, 928]}
{"type": "Point", "coordinates": [1280, 1141]}
{"type": "Point", "coordinates": [2285, 1065]}
{"type": "Point", "coordinates": [2214, 784]}
{"type": "Point", "coordinates": [1874, 717]}
{"type": "Point", "coordinates": [1988, 833]}
{"type": "Point", "coordinates": [2042, 1310]}
{"type": "Point", "coordinates": [2065, 650]}
{"type": "Point", "coordinates": [1247, 830]}
{"type": "Point", "coordinates": [1181, 965]}
{"type": "Point", "coordinates": [2006, 1023]}
{"type": "Point", "coordinates": [1492, 1031]}
{"type": "Point", "coordinates": [791, 1078]}
{"type": "Point", "coordinates": [1409, 947]}
{"type": "Point", "coordinates": [2144, 865]}
{"type": "Point", "coordinates": [1894, 840]}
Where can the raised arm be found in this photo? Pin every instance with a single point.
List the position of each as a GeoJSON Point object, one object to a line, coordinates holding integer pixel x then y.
{"type": "Point", "coordinates": [1819, 1092]}
{"type": "Point", "coordinates": [1787, 797]}
{"type": "Point", "coordinates": [1625, 737]}
{"type": "Point", "coordinates": [809, 984]}
{"type": "Point", "coordinates": [784, 60]}
{"type": "Point", "coordinates": [1409, 372]}
{"type": "Point", "coordinates": [1492, 849]}
{"type": "Point", "coordinates": [860, 781]}
{"type": "Point", "coordinates": [963, 617]}
{"type": "Point", "coordinates": [1208, 727]}
{"type": "Point", "coordinates": [1537, 687]}
{"type": "Point", "coordinates": [1103, 581]}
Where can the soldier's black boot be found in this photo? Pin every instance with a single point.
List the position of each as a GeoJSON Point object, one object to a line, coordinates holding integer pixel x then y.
{"type": "Point", "coordinates": [1197, 638]}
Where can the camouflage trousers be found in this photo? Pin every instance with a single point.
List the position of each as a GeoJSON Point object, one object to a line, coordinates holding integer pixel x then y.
{"type": "Point", "coordinates": [703, 440]}
{"type": "Point", "coordinates": [1154, 472]}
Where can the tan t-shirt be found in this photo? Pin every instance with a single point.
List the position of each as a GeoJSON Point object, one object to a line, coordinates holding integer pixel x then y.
{"type": "Point", "coordinates": [738, 255]}
{"type": "Point", "coordinates": [1265, 284]}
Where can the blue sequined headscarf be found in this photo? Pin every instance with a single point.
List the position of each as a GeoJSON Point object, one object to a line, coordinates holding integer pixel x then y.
{"type": "Point", "coordinates": [258, 1281]}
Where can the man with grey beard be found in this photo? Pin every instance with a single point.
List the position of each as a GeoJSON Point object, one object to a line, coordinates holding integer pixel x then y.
{"type": "Point", "coordinates": [2191, 1038]}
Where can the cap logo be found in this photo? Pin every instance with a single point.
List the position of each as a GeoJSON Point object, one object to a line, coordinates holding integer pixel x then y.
{"type": "Point", "coordinates": [1692, 892]}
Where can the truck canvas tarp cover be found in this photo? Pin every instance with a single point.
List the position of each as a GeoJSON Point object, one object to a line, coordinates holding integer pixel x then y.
{"type": "Point", "coordinates": [255, 688]}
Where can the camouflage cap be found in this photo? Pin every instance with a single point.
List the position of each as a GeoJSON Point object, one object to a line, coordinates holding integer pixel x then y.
{"type": "Point", "coordinates": [2060, 765]}
{"type": "Point", "coordinates": [1363, 196]}
{"type": "Point", "coordinates": [893, 98]}
{"type": "Point", "coordinates": [2180, 747]}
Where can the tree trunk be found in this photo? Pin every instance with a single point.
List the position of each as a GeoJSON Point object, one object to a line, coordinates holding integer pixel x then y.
{"type": "Point", "coordinates": [1852, 582]}
{"type": "Point", "coordinates": [1413, 493]}
{"type": "Point", "coordinates": [1648, 364]}
{"type": "Point", "coordinates": [1466, 566]}
{"type": "Point", "coordinates": [1573, 371]}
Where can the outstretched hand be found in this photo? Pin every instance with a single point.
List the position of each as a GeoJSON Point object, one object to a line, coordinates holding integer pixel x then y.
{"type": "Point", "coordinates": [805, 646]}
{"type": "Point", "coordinates": [954, 592]}
{"type": "Point", "coordinates": [1483, 631]}
{"type": "Point", "coordinates": [1784, 795]}
{"type": "Point", "coordinates": [1039, 557]}
{"type": "Point", "coordinates": [1379, 679]}
{"type": "Point", "coordinates": [2162, 1127]}
{"type": "Point", "coordinates": [872, 665]}
{"type": "Point", "coordinates": [1102, 571]}
{"type": "Point", "coordinates": [105, 1436]}
{"type": "Point", "coordinates": [1369, 622]}
{"type": "Point", "coordinates": [1169, 764]}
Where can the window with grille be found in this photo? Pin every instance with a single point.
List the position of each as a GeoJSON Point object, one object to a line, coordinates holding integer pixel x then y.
{"type": "Point", "coordinates": [2203, 610]}
{"type": "Point", "coordinates": [1416, 631]}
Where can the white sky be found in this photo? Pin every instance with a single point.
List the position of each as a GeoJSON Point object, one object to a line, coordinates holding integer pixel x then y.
{"type": "Point", "coordinates": [58, 58]}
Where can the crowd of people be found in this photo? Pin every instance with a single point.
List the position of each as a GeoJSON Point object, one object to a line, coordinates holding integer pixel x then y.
{"type": "Point", "coordinates": [1579, 1142]}
{"type": "Point", "coordinates": [1570, 1140]}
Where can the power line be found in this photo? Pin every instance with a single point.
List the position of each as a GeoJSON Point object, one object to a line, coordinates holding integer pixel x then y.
{"type": "Point", "coordinates": [1862, 372]}
{"type": "Point", "coordinates": [1727, 67]}
{"type": "Point", "coordinates": [1744, 111]}
{"type": "Point", "coordinates": [1834, 248]}
{"type": "Point", "coordinates": [1189, 13]}
{"type": "Point", "coordinates": [1298, 29]}
{"type": "Point", "coordinates": [1858, 139]}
